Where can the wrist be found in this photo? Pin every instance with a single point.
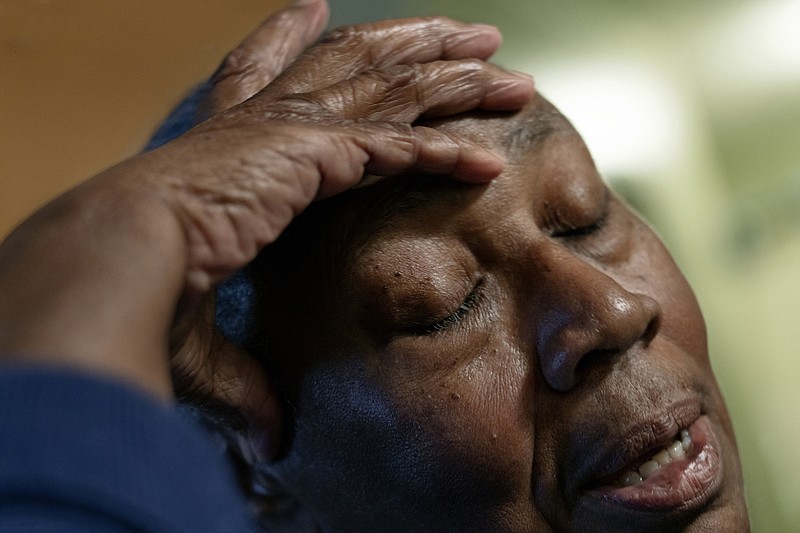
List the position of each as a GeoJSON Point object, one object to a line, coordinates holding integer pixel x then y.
{"type": "Point", "coordinates": [91, 280]}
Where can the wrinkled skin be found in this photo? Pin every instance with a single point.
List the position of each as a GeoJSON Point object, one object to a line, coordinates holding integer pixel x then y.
{"type": "Point", "coordinates": [115, 276]}
{"type": "Point", "coordinates": [574, 327]}
{"type": "Point", "coordinates": [571, 332]}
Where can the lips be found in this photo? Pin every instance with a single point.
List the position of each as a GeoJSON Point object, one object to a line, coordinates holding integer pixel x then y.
{"type": "Point", "coordinates": [651, 462]}
{"type": "Point", "coordinates": [603, 451]}
{"type": "Point", "coordinates": [681, 485]}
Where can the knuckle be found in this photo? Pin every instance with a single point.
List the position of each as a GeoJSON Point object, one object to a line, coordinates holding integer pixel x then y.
{"type": "Point", "coordinates": [395, 75]}
{"type": "Point", "coordinates": [404, 130]}
{"type": "Point", "coordinates": [238, 63]}
{"type": "Point", "coordinates": [398, 142]}
{"type": "Point", "coordinates": [302, 108]}
{"type": "Point", "coordinates": [403, 134]}
{"type": "Point", "coordinates": [465, 74]}
{"type": "Point", "coordinates": [341, 34]}
{"type": "Point", "coordinates": [244, 69]}
{"type": "Point", "coordinates": [297, 103]}
{"type": "Point", "coordinates": [393, 87]}
{"type": "Point", "coordinates": [472, 66]}
{"type": "Point", "coordinates": [304, 105]}
{"type": "Point", "coordinates": [452, 70]}
{"type": "Point", "coordinates": [379, 30]}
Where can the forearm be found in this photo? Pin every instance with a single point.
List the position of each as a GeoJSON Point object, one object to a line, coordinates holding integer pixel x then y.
{"type": "Point", "coordinates": [92, 279]}
{"type": "Point", "coordinates": [95, 278]}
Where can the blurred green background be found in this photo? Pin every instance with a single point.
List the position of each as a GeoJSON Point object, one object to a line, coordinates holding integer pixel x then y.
{"type": "Point", "coordinates": [691, 109]}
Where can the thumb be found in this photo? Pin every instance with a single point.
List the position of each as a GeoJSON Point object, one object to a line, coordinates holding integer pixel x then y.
{"type": "Point", "coordinates": [266, 52]}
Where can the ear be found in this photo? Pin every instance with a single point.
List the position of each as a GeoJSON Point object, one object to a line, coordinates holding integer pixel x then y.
{"type": "Point", "coordinates": [225, 382]}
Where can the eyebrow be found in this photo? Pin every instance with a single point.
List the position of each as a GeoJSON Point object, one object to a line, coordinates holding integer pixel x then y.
{"type": "Point", "coordinates": [529, 133]}
{"type": "Point", "coordinates": [395, 203]}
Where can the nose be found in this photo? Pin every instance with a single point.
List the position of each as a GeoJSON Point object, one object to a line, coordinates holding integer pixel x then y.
{"type": "Point", "coordinates": [589, 317]}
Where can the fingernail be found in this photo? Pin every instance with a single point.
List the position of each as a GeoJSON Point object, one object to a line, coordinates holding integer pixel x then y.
{"type": "Point", "coordinates": [515, 81]}
{"type": "Point", "coordinates": [484, 165]}
{"type": "Point", "coordinates": [485, 27]}
{"type": "Point", "coordinates": [521, 75]}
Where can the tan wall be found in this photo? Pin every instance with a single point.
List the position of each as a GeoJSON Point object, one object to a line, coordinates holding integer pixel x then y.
{"type": "Point", "coordinates": [84, 82]}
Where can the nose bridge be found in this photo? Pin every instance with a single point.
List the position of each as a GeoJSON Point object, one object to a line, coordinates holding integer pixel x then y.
{"type": "Point", "coordinates": [585, 315]}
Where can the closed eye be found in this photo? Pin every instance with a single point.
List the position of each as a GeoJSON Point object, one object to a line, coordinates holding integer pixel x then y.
{"type": "Point", "coordinates": [579, 231]}
{"type": "Point", "coordinates": [583, 231]}
{"type": "Point", "coordinates": [453, 318]}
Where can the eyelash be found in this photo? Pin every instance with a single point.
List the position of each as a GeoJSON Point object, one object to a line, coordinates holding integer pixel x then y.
{"type": "Point", "coordinates": [455, 317]}
{"type": "Point", "coordinates": [583, 231]}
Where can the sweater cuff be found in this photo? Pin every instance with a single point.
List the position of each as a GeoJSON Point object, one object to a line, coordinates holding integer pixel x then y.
{"type": "Point", "coordinates": [76, 441]}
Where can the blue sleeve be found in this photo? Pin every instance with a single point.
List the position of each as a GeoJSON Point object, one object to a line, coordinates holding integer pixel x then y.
{"type": "Point", "coordinates": [79, 453]}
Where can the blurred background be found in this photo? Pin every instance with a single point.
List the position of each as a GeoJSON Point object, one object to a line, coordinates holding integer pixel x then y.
{"type": "Point", "coordinates": [691, 109]}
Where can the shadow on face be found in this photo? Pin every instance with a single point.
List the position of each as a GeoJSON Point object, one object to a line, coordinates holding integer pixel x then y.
{"type": "Point", "coordinates": [514, 356]}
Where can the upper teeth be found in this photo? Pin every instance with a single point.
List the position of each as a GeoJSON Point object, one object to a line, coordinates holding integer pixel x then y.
{"type": "Point", "coordinates": [675, 450]}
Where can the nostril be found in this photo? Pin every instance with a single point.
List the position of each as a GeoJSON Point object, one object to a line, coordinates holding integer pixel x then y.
{"type": "Point", "coordinates": [595, 358]}
{"type": "Point", "coordinates": [572, 345]}
{"type": "Point", "coordinates": [652, 330]}
{"type": "Point", "coordinates": [652, 310]}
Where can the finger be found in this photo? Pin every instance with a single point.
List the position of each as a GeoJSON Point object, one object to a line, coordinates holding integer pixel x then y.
{"type": "Point", "coordinates": [349, 51]}
{"type": "Point", "coordinates": [266, 52]}
{"type": "Point", "coordinates": [437, 152]}
{"type": "Point", "coordinates": [404, 93]}
{"type": "Point", "coordinates": [386, 149]}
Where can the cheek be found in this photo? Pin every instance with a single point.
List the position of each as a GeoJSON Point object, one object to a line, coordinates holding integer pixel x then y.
{"type": "Point", "coordinates": [458, 441]}
{"type": "Point", "coordinates": [351, 444]}
{"type": "Point", "coordinates": [659, 277]}
{"type": "Point", "coordinates": [473, 409]}
{"type": "Point", "coordinates": [683, 320]}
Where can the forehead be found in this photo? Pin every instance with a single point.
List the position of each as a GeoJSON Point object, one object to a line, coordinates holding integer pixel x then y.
{"type": "Point", "coordinates": [510, 134]}
{"type": "Point", "coordinates": [331, 234]}
{"type": "Point", "coordinates": [416, 199]}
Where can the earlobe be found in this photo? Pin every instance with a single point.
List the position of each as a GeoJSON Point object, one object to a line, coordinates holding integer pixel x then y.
{"type": "Point", "coordinates": [272, 501]}
{"type": "Point", "coordinates": [276, 507]}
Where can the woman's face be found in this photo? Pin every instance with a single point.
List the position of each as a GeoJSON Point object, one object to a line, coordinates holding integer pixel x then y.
{"type": "Point", "coordinates": [519, 356]}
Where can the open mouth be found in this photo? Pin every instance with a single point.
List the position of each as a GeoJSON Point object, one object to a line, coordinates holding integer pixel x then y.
{"type": "Point", "coordinates": [682, 474]}
{"type": "Point", "coordinates": [651, 462]}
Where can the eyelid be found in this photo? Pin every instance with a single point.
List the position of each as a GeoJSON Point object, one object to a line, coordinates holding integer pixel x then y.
{"type": "Point", "coordinates": [588, 229]}
{"type": "Point", "coordinates": [583, 231]}
{"type": "Point", "coordinates": [453, 318]}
